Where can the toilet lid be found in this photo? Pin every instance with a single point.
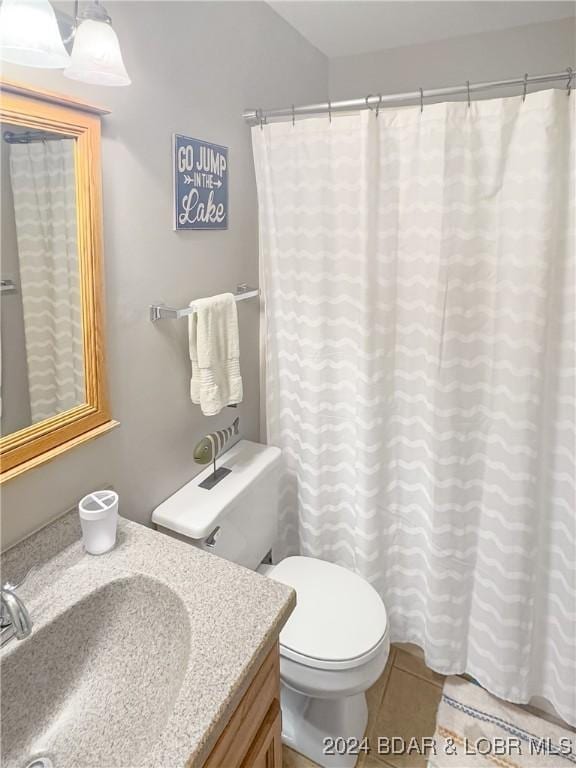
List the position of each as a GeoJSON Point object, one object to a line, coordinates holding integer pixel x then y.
{"type": "Point", "coordinates": [338, 617]}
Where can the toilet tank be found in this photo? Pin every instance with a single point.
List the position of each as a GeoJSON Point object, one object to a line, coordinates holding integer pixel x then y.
{"type": "Point", "coordinates": [237, 518]}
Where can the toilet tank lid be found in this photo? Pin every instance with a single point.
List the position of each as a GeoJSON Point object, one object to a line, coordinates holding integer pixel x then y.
{"type": "Point", "coordinates": [194, 512]}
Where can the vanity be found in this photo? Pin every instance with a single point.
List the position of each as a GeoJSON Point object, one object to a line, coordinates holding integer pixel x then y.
{"type": "Point", "coordinates": [154, 654]}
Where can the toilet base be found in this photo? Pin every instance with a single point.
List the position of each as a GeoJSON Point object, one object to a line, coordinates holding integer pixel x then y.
{"type": "Point", "coordinates": [308, 721]}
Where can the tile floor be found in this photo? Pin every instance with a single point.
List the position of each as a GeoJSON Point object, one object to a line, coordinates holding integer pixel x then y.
{"type": "Point", "coordinates": [403, 702]}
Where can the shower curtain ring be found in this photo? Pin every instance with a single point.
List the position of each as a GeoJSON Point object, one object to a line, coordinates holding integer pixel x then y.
{"type": "Point", "coordinates": [293, 116]}
{"type": "Point", "coordinates": [366, 100]}
{"type": "Point", "coordinates": [421, 100]}
{"type": "Point", "coordinates": [261, 113]}
{"type": "Point", "coordinates": [468, 92]}
{"type": "Point", "coordinates": [329, 111]}
{"type": "Point", "coordinates": [570, 78]}
{"type": "Point", "coordinates": [378, 105]}
{"type": "Point", "coordinates": [525, 86]}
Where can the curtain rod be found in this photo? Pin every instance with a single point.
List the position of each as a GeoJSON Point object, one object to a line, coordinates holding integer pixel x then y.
{"type": "Point", "coordinates": [255, 116]}
{"type": "Point", "coordinates": [30, 136]}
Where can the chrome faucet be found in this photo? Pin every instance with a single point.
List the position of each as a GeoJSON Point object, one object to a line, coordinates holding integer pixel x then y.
{"type": "Point", "coordinates": [15, 620]}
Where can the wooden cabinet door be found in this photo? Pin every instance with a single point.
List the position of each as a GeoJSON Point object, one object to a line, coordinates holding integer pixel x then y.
{"type": "Point", "coordinates": [266, 749]}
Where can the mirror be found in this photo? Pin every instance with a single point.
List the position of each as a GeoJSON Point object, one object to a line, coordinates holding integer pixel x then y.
{"type": "Point", "coordinates": [52, 377]}
{"type": "Point", "coordinates": [40, 311]}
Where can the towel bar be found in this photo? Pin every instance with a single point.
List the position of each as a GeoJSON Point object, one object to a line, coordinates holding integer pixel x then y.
{"type": "Point", "coordinates": [162, 312]}
{"type": "Point", "coordinates": [7, 286]}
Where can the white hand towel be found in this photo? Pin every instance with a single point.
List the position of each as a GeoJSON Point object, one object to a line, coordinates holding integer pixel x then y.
{"type": "Point", "coordinates": [215, 354]}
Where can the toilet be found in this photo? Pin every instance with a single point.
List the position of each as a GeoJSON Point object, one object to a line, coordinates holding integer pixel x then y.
{"type": "Point", "coordinates": [336, 642]}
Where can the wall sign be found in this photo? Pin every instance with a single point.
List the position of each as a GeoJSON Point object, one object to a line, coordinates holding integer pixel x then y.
{"type": "Point", "coordinates": [200, 184]}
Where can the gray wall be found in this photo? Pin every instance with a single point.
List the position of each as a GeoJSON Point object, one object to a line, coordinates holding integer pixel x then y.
{"type": "Point", "coordinates": [195, 66]}
{"type": "Point", "coordinates": [535, 48]}
{"type": "Point", "coordinates": [14, 378]}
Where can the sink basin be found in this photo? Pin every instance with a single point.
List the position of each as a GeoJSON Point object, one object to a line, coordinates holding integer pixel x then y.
{"type": "Point", "coordinates": [96, 682]}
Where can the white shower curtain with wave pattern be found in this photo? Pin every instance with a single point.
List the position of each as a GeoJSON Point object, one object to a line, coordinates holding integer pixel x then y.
{"type": "Point", "coordinates": [44, 187]}
{"type": "Point", "coordinates": [419, 279]}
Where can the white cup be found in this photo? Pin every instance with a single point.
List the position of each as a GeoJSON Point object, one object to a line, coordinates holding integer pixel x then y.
{"type": "Point", "coordinates": [99, 519]}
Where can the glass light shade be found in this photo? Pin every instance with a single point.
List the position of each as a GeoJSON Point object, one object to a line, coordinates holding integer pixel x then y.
{"type": "Point", "coordinates": [96, 56]}
{"type": "Point", "coordinates": [29, 34]}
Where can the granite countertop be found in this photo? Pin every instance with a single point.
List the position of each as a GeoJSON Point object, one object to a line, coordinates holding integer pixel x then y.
{"type": "Point", "coordinates": [235, 616]}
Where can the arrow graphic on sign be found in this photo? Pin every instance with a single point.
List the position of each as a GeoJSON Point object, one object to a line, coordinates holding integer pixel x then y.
{"type": "Point", "coordinates": [189, 180]}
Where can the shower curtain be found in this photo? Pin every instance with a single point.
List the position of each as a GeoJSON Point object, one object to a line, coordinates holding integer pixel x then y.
{"type": "Point", "coordinates": [419, 275]}
{"type": "Point", "coordinates": [42, 175]}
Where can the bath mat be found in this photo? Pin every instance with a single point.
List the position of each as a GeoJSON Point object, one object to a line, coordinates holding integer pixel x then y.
{"type": "Point", "coordinates": [476, 730]}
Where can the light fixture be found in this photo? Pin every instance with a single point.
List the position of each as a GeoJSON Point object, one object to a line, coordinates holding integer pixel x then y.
{"type": "Point", "coordinates": [29, 35]}
{"type": "Point", "coordinates": [96, 57]}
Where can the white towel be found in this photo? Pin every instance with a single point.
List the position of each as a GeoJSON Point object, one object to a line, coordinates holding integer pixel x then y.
{"type": "Point", "coordinates": [215, 354]}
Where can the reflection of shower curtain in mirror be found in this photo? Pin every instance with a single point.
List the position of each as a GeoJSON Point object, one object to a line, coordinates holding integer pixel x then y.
{"type": "Point", "coordinates": [43, 183]}
{"type": "Point", "coordinates": [419, 279]}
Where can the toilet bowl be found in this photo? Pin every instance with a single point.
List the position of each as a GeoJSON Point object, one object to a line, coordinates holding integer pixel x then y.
{"type": "Point", "coordinates": [335, 644]}
{"type": "Point", "coordinates": [333, 648]}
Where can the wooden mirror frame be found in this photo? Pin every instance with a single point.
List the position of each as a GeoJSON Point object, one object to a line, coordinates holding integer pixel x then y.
{"type": "Point", "coordinates": [40, 442]}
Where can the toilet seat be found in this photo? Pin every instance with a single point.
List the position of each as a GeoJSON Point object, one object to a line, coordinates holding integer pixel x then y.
{"type": "Point", "coordinates": [340, 621]}
{"type": "Point", "coordinates": [316, 663]}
